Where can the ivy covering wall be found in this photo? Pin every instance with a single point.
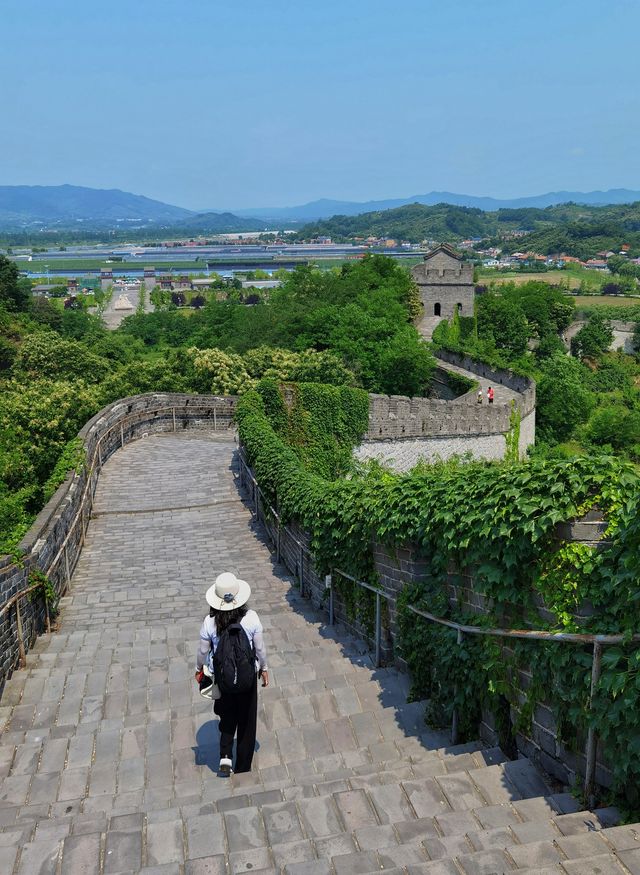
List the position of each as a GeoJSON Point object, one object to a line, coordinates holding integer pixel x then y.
{"type": "Point", "coordinates": [497, 521]}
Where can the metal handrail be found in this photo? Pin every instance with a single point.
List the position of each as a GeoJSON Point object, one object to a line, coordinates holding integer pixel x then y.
{"type": "Point", "coordinates": [530, 634]}
{"type": "Point", "coordinates": [595, 639]}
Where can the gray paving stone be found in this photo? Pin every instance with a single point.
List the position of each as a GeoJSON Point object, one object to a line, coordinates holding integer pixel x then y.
{"type": "Point", "coordinates": [164, 843]}
{"type": "Point", "coordinates": [494, 784]}
{"type": "Point", "coordinates": [301, 851]}
{"type": "Point", "coordinates": [207, 866]}
{"type": "Point", "coordinates": [245, 829]}
{"type": "Point", "coordinates": [372, 838]}
{"type": "Point", "coordinates": [249, 860]}
{"type": "Point", "coordinates": [404, 855]}
{"type": "Point", "coordinates": [583, 845]}
{"type": "Point", "coordinates": [39, 858]}
{"type": "Point", "coordinates": [485, 839]}
{"type": "Point", "coordinates": [205, 836]}
{"type": "Point", "coordinates": [459, 791]}
{"type": "Point", "coordinates": [312, 867]}
{"type": "Point", "coordinates": [447, 846]}
{"type": "Point", "coordinates": [391, 804]}
{"type": "Point", "coordinates": [417, 830]}
{"type": "Point", "coordinates": [426, 797]}
{"type": "Point", "coordinates": [535, 854]}
{"type": "Point", "coordinates": [166, 869]}
{"type": "Point", "coordinates": [485, 863]}
{"type": "Point", "coordinates": [123, 852]}
{"type": "Point", "coordinates": [8, 855]}
{"type": "Point", "coordinates": [81, 854]}
{"type": "Point", "coordinates": [440, 867]}
{"type": "Point", "coordinates": [282, 824]}
{"type": "Point", "coordinates": [573, 824]}
{"type": "Point", "coordinates": [355, 864]}
{"type": "Point", "coordinates": [544, 830]}
{"type": "Point", "coordinates": [355, 809]}
{"type": "Point", "coordinates": [457, 823]}
{"type": "Point", "coordinates": [602, 864]}
{"type": "Point", "coordinates": [320, 817]}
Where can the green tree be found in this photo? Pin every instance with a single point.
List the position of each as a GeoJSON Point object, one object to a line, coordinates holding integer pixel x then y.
{"type": "Point", "coordinates": [15, 293]}
{"type": "Point", "coordinates": [593, 339]}
{"type": "Point", "coordinates": [616, 426]}
{"type": "Point", "coordinates": [46, 355]}
{"type": "Point", "coordinates": [503, 322]}
{"type": "Point", "coordinates": [563, 401]}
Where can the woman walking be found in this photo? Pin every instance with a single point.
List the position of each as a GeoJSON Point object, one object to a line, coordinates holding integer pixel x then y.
{"type": "Point", "coordinates": [232, 648]}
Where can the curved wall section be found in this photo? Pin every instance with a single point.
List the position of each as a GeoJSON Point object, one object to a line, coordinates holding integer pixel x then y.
{"type": "Point", "coordinates": [403, 431]}
{"type": "Point", "coordinates": [54, 542]}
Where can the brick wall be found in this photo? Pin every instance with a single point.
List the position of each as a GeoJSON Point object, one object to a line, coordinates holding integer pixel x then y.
{"type": "Point", "coordinates": [54, 541]}
{"type": "Point", "coordinates": [394, 568]}
{"type": "Point", "coordinates": [397, 567]}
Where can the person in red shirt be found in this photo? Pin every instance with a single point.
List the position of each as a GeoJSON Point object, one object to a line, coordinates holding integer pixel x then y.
{"type": "Point", "coordinates": [490, 394]}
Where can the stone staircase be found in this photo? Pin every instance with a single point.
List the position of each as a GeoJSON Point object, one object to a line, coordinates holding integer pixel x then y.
{"type": "Point", "coordinates": [108, 759]}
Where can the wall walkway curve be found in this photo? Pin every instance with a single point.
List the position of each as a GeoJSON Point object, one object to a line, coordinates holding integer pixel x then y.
{"type": "Point", "coordinates": [54, 542]}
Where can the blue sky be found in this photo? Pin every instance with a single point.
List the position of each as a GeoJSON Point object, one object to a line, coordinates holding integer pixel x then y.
{"type": "Point", "coordinates": [219, 104]}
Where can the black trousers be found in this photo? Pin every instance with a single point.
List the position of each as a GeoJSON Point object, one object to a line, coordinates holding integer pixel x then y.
{"type": "Point", "coordinates": [238, 714]}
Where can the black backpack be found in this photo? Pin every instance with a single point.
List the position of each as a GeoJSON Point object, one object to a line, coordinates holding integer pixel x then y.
{"type": "Point", "coordinates": [234, 662]}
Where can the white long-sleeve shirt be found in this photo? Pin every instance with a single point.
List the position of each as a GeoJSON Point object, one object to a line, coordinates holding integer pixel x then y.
{"type": "Point", "coordinates": [209, 640]}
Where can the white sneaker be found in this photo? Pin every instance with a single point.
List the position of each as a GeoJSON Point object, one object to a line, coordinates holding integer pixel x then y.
{"type": "Point", "coordinates": [224, 768]}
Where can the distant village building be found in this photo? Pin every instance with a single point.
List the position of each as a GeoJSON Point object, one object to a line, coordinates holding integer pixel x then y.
{"type": "Point", "coordinates": [445, 282]}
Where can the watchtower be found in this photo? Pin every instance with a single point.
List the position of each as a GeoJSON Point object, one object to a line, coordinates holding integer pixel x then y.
{"type": "Point", "coordinates": [106, 278]}
{"type": "Point", "coordinates": [149, 278]}
{"type": "Point", "coordinates": [446, 284]}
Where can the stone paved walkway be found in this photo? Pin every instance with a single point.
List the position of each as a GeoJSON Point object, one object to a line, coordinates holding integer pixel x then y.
{"type": "Point", "coordinates": [502, 394]}
{"type": "Point", "coordinates": [108, 756]}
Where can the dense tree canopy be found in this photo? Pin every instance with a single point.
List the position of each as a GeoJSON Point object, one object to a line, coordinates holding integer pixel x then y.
{"type": "Point", "coordinates": [345, 327]}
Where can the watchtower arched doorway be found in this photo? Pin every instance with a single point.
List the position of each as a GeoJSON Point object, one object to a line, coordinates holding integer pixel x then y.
{"type": "Point", "coordinates": [459, 306]}
{"type": "Point", "coordinates": [436, 309]}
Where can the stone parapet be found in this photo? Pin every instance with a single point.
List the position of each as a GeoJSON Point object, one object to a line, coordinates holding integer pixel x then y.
{"type": "Point", "coordinates": [525, 386]}
{"type": "Point", "coordinates": [394, 417]}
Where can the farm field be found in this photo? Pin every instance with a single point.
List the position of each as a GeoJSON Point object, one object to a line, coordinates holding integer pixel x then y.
{"type": "Point", "coordinates": [568, 278]}
{"type": "Point", "coordinates": [584, 302]}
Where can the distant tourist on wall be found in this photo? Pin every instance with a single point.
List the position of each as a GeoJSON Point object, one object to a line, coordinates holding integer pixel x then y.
{"type": "Point", "coordinates": [490, 394]}
{"type": "Point", "coordinates": [232, 648]}
{"type": "Point", "coordinates": [479, 396]}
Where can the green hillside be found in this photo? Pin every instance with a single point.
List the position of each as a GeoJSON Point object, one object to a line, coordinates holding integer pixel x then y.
{"type": "Point", "coordinates": [575, 229]}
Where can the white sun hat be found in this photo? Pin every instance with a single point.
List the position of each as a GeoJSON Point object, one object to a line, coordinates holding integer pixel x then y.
{"type": "Point", "coordinates": [228, 592]}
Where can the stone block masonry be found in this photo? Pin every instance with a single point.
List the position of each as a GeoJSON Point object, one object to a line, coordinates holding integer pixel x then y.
{"type": "Point", "coordinates": [404, 430]}
{"type": "Point", "coordinates": [55, 540]}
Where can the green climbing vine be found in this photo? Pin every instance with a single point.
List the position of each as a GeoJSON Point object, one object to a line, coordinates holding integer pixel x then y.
{"type": "Point", "coordinates": [497, 524]}
{"type": "Point", "coordinates": [512, 437]}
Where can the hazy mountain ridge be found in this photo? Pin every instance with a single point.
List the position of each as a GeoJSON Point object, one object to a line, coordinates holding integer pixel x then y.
{"type": "Point", "coordinates": [20, 204]}
{"type": "Point", "coordinates": [74, 207]}
{"type": "Point", "coordinates": [211, 223]}
{"type": "Point", "coordinates": [325, 208]}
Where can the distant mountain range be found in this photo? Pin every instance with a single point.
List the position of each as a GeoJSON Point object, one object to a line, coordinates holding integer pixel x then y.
{"type": "Point", "coordinates": [324, 208]}
{"type": "Point", "coordinates": [22, 204]}
{"type": "Point", "coordinates": [63, 207]}
{"type": "Point", "coordinates": [74, 207]}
